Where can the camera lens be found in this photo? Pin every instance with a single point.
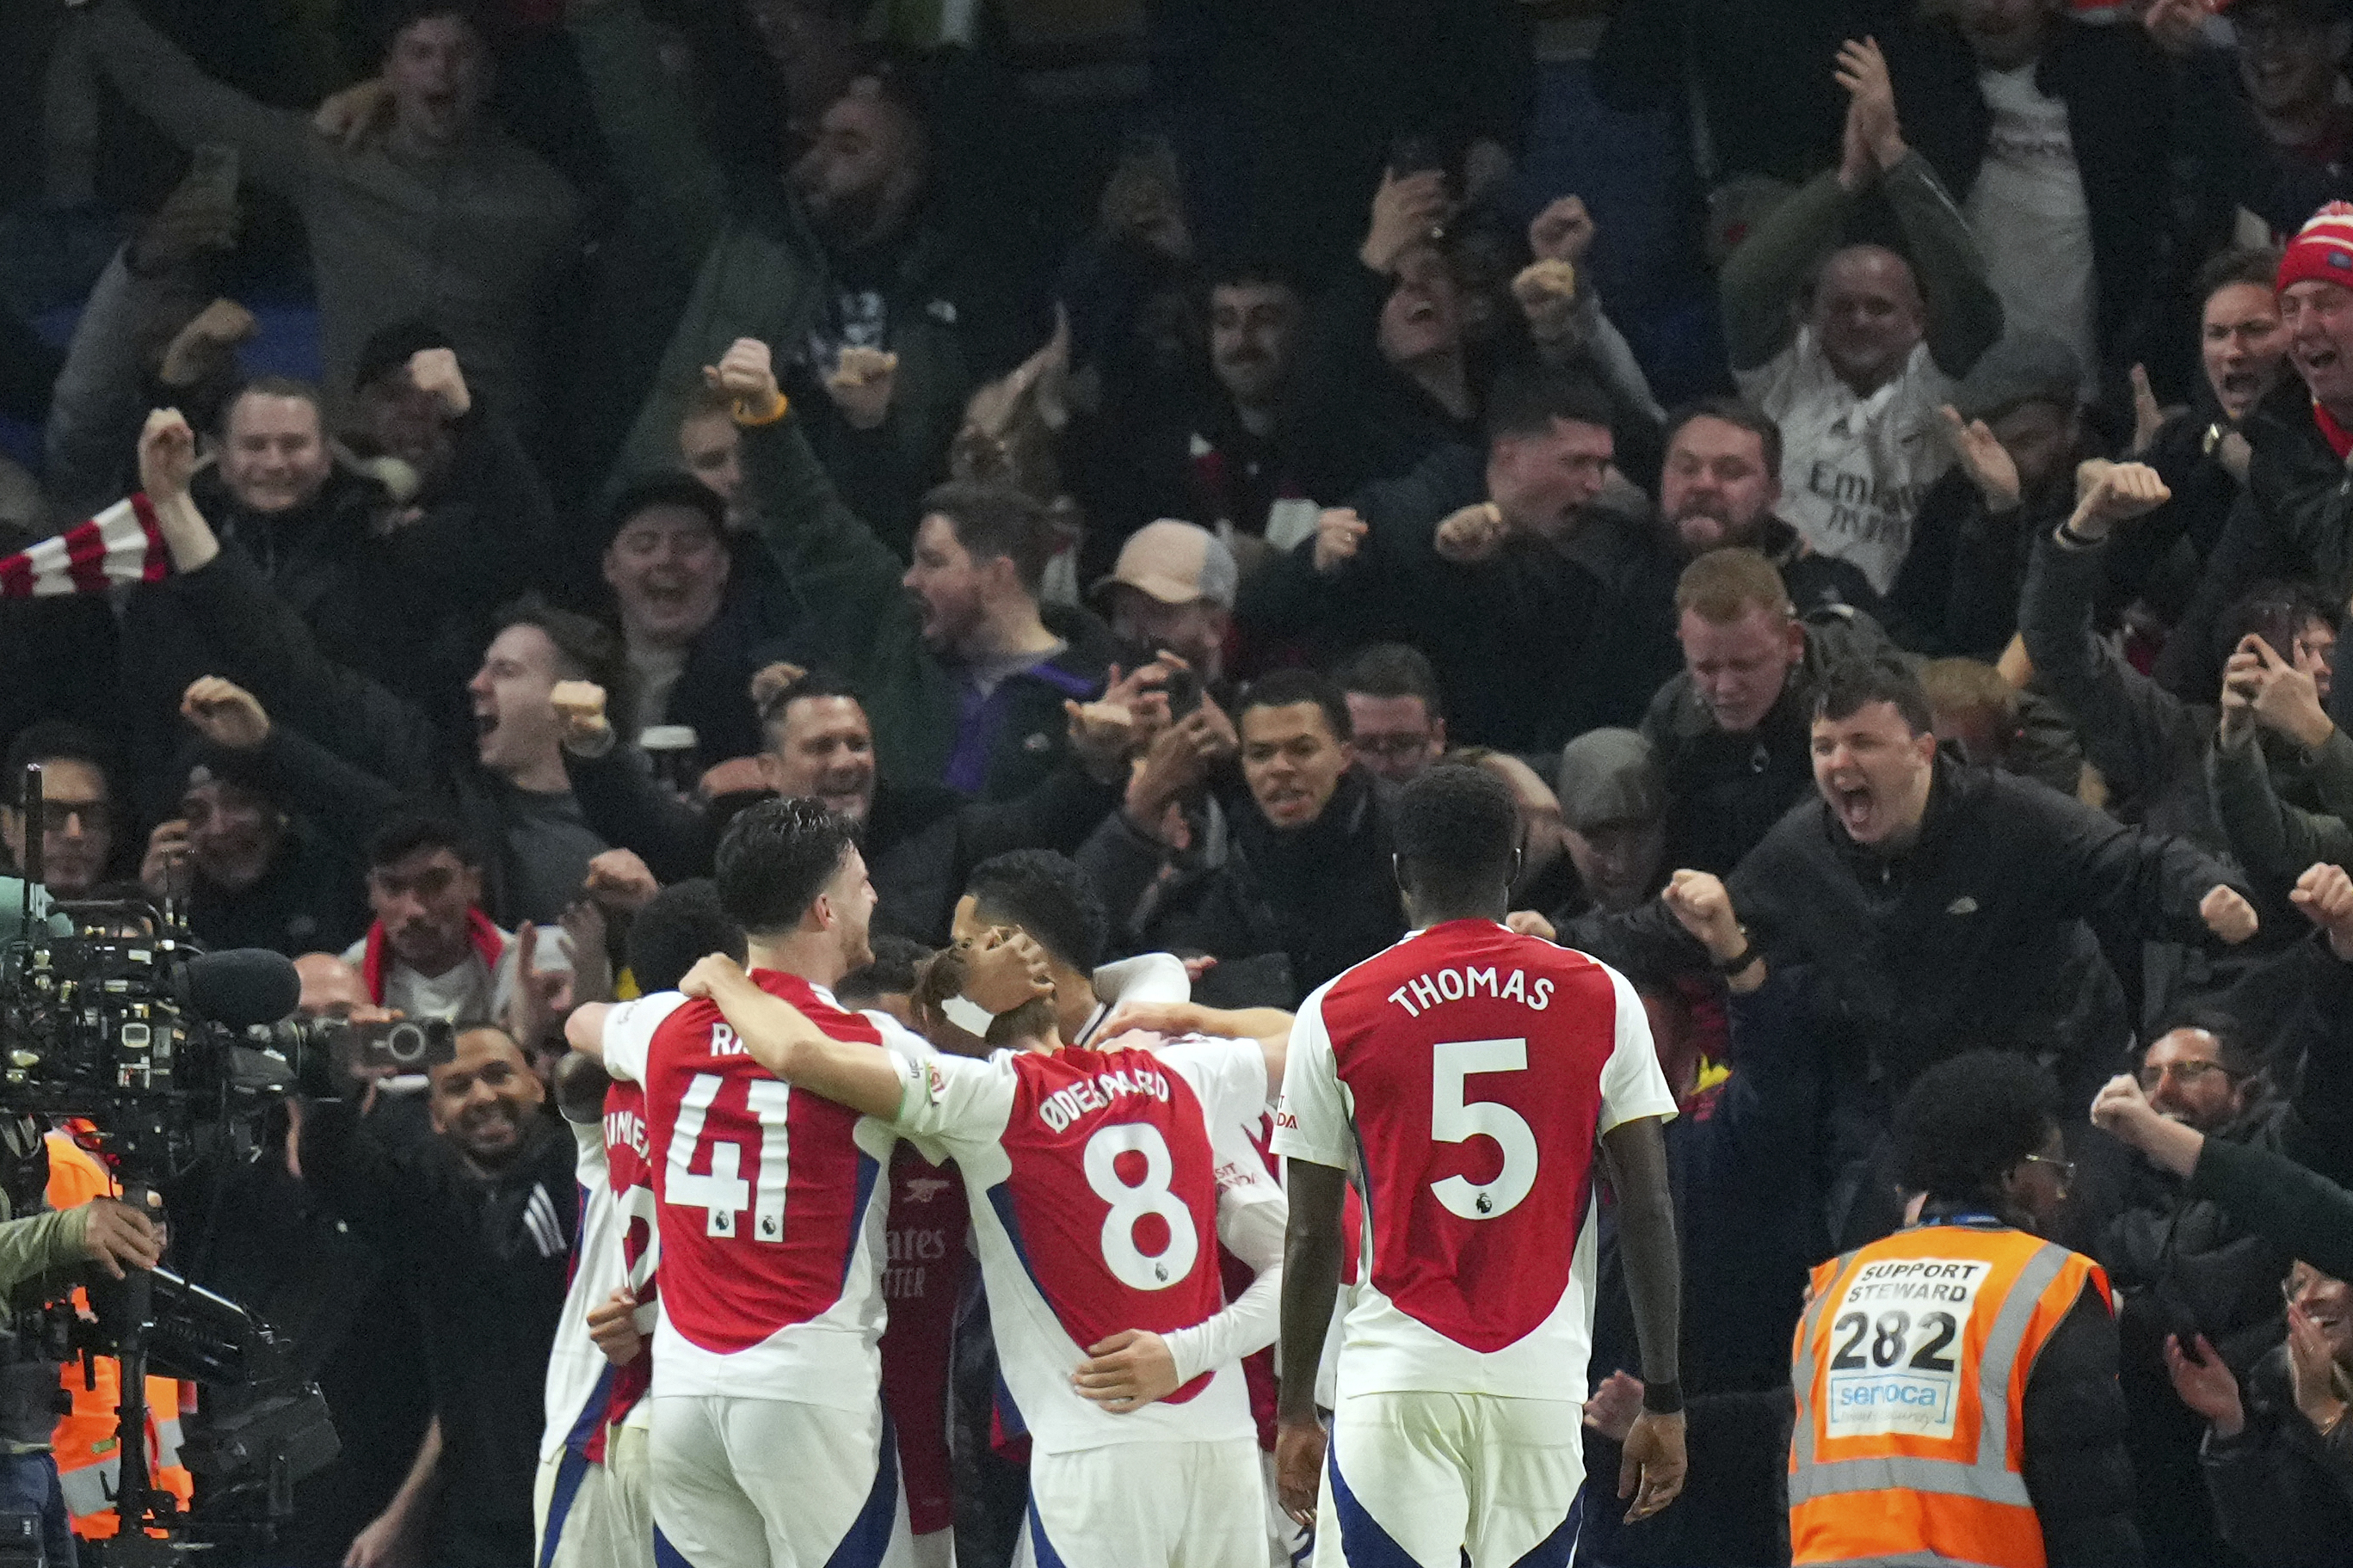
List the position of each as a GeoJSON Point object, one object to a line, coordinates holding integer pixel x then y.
{"type": "Point", "coordinates": [405, 1043]}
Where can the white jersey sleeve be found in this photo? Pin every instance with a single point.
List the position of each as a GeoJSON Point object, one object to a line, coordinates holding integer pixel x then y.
{"type": "Point", "coordinates": [629, 1032]}
{"type": "Point", "coordinates": [1632, 1086]}
{"type": "Point", "coordinates": [1313, 1122]}
{"type": "Point", "coordinates": [955, 1103]}
{"type": "Point", "coordinates": [1229, 1076]}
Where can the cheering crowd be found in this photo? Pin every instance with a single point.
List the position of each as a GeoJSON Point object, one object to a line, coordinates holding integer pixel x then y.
{"type": "Point", "coordinates": [493, 484]}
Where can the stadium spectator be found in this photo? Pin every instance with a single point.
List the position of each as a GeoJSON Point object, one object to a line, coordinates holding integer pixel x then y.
{"type": "Point", "coordinates": [1395, 711]}
{"type": "Point", "coordinates": [79, 808]}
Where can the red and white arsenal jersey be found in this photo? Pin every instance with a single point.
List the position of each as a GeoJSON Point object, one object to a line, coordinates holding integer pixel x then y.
{"type": "Point", "coordinates": [770, 1202]}
{"type": "Point", "coordinates": [579, 1375]}
{"type": "Point", "coordinates": [1462, 1077]}
{"type": "Point", "coordinates": [1095, 1209]}
{"type": "Point", "coordinates": [627, 1146]}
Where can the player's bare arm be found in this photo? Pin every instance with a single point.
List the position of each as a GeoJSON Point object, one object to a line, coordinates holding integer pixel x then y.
{"type": "Point", "coordinates": [583, 1031]}
{"type": "Point", "coordinates": [1311, 1282]}
{"type": "Point", "coordinates": [1270, 1026]}
{"type": "Point", "coordinates": [781, 1039]}
{"type": "Point", "coordinates": [1654, 1465]}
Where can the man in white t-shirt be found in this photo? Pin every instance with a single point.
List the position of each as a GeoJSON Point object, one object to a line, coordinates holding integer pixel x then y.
{"type": "Point", "coordinates": [1857, 384]}
{"type": "Point", "coordinates": [1465, 1082]}
{"type": "Point", "coordinates": [1096, 1214]}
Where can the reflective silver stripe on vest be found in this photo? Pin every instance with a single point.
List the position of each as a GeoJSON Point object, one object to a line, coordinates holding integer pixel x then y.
{"type": "Point", "coordinates": [2008, 1332]}
{"type": "Point", "coordinates": [1903, 1560]}
{"type": "Point", "coordinates": [1990, 1478]}
{"type": "Point", "coordinates": [90, 1489]}
{"type": "Point", "coordinates": [1801, 1436]}
{"type": "Point", "coordinates": [1895, 1473]}
{"type": "Point", "coordinates": [167, 1444]}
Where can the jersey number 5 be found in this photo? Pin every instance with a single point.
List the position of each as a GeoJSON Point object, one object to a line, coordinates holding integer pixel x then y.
{"type": "Point", "coordinates": [1454, 1118]}
{"type": "Point", "coordinates": [722, 1194]}
{"type": "Point", "coordinates": [1132, 1202]}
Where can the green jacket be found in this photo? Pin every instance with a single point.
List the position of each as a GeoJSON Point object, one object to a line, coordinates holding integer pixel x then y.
{"type": "Point", "coordinates": [858, 620]}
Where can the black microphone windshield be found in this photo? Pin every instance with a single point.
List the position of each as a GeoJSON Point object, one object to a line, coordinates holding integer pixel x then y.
{"type": "Point", "coordinates": [242, 987]}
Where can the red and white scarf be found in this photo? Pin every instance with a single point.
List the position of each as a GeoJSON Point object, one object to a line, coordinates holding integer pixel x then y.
{"type": "Point", "coordinates": [119, 545]}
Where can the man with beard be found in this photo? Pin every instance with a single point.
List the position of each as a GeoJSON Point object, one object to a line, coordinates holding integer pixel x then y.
{"type": "Point", "coordinates": [963, 677]}
{"type": "Point", "coordinates": [884, 323]}
{"type": "Point", "coordinates": [480, 1217]}
{"type": "Point", "coordinates": [1721, 486]}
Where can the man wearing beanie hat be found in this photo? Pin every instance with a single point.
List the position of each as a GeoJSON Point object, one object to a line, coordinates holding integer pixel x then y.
{"type": "Point", "coordinates": [2297, 520]}
{"type": "Point", "coordinates": [2288, 124]}
{"type": "Point", "coordinates": [2016, 437]}
{"type": "Point", "coordinates": [1613, 808]}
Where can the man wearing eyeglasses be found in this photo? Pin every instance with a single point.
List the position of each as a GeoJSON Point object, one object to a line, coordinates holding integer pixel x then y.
{"type": "Point", "coordinates": [78, 807]}
{"type": "Point", "coordinates": [2185, 1268]}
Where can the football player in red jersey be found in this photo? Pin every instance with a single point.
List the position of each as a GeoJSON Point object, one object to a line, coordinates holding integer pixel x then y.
{"type": "Point", "coordinates": [1095, 1210]}
{"type": "Point", "coordinates": [767, 1440]}
{"type": "Point", "coordinates": [1462, 1079]}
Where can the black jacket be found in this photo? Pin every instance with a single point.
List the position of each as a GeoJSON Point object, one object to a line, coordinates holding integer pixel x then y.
{"type": "Point", "coordinates": [490, 1258]}
{"type": "Point", "coordinates": [1323, 895]}
{"type": "Point", "coordinates": [1957, 594]}
{"type": "Point", "coordinates": [1541, 642]}
{"type": "Point", "coordinates": [352, 750]}
{"type": "Point", "coordinates": [1979, 935]}
{"type": "Point", "coordinates": [1726, 791]}
{"type": "Point", "coordinates": [2077, 1470]}
{"type": "Point", "coordinates": [2294, 521]}
{"type": "Point", "coordinates": [2284, 1497]}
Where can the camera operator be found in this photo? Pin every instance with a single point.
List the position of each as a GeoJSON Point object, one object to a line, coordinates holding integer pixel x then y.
{"type": "Point", "coordinates": [46, 1243]}
{"type": "Point", "coordinates": [479, 1219]}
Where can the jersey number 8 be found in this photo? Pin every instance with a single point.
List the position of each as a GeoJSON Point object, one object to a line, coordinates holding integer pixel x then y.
{"type": "Point", "coordinates": [1132, 1202]}
{"type": "Point", "coordinates": [1455, 1119]}
{"type": "Point", "coordinates": [722, 1194]}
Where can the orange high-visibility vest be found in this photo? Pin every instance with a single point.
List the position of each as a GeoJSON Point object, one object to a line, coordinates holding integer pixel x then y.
{"type": "Point", "coordinates": [90, 1461]}
{"type": "Point", "coordinates": [1910, 1369]}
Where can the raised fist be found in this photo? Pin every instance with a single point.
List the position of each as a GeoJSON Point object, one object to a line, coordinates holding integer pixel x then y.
{"type": "Point", "coordinates": [1564, 231]}
{"type": "Point", "coordinates": [434, 371]}
{"type": "Point", "coordinates": [580, 708]}
{"type": "Point", "coordinates": [748, 374]}
{"type": "Point", "coordinates": [861, 385]}
{"type": "Point", "coordinates": [214, 329]}
{"type": "Point", "coordinates": [227, 715]}
{"type": "Point", "coordinates": [1703, 907]}
{"type": "Point", "coordinates": [168, 454]}
{"type": "Point", "coordinates": [1471, 535]}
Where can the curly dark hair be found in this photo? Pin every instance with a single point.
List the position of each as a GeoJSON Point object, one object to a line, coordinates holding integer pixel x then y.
{"type": "Point", "coordinates": [1046, 895]}
{"type": "Point", "coordinates": [1967, 1119]}
{"type": "Point", "coordinates": [676, 929]}
{"type": "Point", "coordinates": [776, 858]}
{"type": "Point", "coordinates": [1457, 829]}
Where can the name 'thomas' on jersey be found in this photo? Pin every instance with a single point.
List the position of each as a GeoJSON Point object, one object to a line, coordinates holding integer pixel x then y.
{"type": "Point", "coordinates": [1462, 1077]}
{"type": "Point", "coordinates": [1095, 1208]}
{"type": "Point", "coordinates": [771, 1208]}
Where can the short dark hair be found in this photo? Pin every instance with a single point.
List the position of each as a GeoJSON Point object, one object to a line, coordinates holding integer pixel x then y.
{"type": "Point", "coordinates": [1456, 831]}
{"type": "Point", "coordinates": [271, 386]}
{"type": "Point", "coordinates": [1970, 1118]}
{"type": "Point", "coordinates": [2238, 264]}
{"type": "Point", "coordinates": [819, 682]}
{"type": "Point", "coordinates": [676, 929]}
{"type": "Point", "coordinates": [1234, 271]}
{"type": "Point", "coordinates": [1284, 687]}
{"type": "Point", "coordinates": [1393, 669]}
{"type": "Point", "coordinates": [2277, 611]}
{"type": "Point", "coordinates": [1852, 685]}
{"type": "Point", "coordinates": [664, 487]}
{"type": "Point", "coordinates": [586, 650]}
{"type": "Point", "coordinates": [58, 740]}
{"type": "Point", "coordinates": [1733, 411]}
{"type": "Point", "coordinates": [995, 520]}
{"type": "Point", "coordinates": [412, 828]}
{"type": "Point", "coordinates": [892, 972]}
{"type": "Point", "coordinates": [1526, 399]}
{"type": "Point", "coordinates": [776, 857]}
{"type": "Point", "coordinates": [2234, 1047]}
{"type": "Point", "coordinates": [387, 19]}
{"type": "Point", "coordinates": [1046, 895]}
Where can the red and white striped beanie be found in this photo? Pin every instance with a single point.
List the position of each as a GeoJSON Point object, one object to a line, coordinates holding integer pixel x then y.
{"type": "Point", "coordinates": [2322, 248]}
